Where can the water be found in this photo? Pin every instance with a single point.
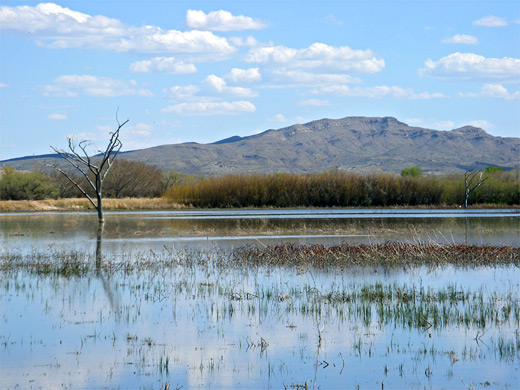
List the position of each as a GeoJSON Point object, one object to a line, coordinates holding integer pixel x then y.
{"type": "Point", "coordinates": [203, 325]}
{"type": "Point", "coordinates": [147, 230]}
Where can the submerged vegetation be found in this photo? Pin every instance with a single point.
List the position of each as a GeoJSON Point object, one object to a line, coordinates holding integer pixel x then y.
{"type": "Point", "coordinates": [265, 317]}
{"type": "Point", "coordinates": [317, 256]}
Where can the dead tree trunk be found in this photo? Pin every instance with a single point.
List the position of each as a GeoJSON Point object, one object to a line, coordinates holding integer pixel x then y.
{"type": "Point", "coordinates": [471, 183]}
{"type": "Point", "coordinates": [93, 171]}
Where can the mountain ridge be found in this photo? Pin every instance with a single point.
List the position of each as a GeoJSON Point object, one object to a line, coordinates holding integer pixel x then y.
{"type": "Point", "coordinates": [362, 144]}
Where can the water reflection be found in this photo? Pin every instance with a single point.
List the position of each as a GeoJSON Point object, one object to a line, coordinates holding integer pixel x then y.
{"type": "Point", "coordinates": [193, 323]}
{"type": "Point", "coordinates": [198, 325]}
{"type": "Point", "coordinates": [152, 229]}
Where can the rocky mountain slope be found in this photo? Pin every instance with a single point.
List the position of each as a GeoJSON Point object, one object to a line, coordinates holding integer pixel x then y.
{"type": "Point", "coordinates": [360, 144]}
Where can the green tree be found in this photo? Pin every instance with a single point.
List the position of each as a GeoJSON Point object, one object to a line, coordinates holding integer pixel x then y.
{"type": "Point", "coordinates": [15, 185]}
{"type": "Point", "coordinates": [412, 171]}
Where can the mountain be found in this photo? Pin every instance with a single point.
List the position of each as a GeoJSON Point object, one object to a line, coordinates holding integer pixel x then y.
{"type": "Point", "coordinates": [360, 144]}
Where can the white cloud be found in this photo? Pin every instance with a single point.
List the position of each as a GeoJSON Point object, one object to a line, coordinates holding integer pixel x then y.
{"type": "Point", "coordinates": [244, 75]}
{"type": "Point", "coordinates": [57, 27]}
{"type": "Point", "coordinates": [461, 39]}
{"type": "Point", "coordinates": [211, 108]}
{"type": "Point", "coordinates": [72, 85]}
{"type": "Point", "coordinates": [162, 65]}
{"type": "Point", "coordinates": [215, 84]}
{"type": "Point", "coordinates": [376, 92]}
{"type": "Point", "coordinates": [493, 91]}
{"type": "Point", "coordinates": [469, 66]}
{"type": "Point", "coordinates": [2, 85]}
{"type": "Point", "coordinates": [211, 87]}
{"type": "Point", "coordinates": [248, 41]}
{"type": "Point", "coordinates": [221, 21]}
{"type": "Point", "coordinates": [491, 21]}
{"type": "Point", "coordinates": [57, 117]}
{"type": "Point", "coordinates": [483, 124]}
{"type": "Point", "coordinates": [182, 92]}
{"type": "Point", "coordinates": [318, 55]}
{"type": "Point", "coordinates": [314, 103]}
{"type": "Point", "coordinates": [278, 118]}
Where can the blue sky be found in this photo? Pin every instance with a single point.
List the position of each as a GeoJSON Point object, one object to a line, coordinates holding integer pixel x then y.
{"type": "Point", "coordinates": [206, 70]}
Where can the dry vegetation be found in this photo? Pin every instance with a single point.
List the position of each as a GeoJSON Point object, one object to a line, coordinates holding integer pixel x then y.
{"type": "Point", "coordinates": [341, 189]}
{"type": "Point", "coordinates": [76, 204]}
{"type": "Point", "coordinates": [374, 255]}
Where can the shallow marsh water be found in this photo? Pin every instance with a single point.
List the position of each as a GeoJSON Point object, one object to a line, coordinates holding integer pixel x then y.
{"type": "Point", "coordinates": [198, 324]}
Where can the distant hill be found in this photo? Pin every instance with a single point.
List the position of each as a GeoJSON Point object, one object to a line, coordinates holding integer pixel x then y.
{"type": "Point", "coordinates": [360, 144]}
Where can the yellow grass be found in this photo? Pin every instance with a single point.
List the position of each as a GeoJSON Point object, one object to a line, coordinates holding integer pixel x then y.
{"type": "Point", "coordinates": [84, 204]}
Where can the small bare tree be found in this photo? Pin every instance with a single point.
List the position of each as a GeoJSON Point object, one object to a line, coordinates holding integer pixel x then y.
{"type": "Point", "coordinates": [93, 168]}
{"type": "Point", "coordinates": [472, 181]}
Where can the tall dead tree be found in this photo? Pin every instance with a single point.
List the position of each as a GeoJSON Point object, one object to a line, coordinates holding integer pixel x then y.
{"type": "Point", "coordinates": [472, 181]}
{"type": "Point", "coordinates": [93, 168]}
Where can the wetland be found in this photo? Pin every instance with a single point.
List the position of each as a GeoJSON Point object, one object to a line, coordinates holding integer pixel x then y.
{"type": "Point", "coordinates": [282, 299]}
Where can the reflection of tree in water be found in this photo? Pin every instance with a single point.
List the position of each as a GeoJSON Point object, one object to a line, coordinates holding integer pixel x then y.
{"type": "Point", "coordinates": [111, 295]}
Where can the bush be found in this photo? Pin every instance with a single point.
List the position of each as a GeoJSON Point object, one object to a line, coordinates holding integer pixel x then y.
{"type": "Point", "coordinates": [16, 185]}
{"type": "Point", "coordinates": [412, 171]}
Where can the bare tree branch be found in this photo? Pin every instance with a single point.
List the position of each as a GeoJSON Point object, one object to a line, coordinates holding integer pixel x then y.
{"type": "Point", "coordinates": [78, 157]}
{"type": "Point", "coordinates": [470, 185]}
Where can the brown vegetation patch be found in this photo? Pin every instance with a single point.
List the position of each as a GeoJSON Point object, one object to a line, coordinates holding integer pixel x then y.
{"type": "Point", "coordinates": [374, 255]}
{"type": "Point", "coordinates": [83, 204]}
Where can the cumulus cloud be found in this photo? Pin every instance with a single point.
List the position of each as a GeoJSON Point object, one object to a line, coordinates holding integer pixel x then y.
{"type": "Point", "coordinates": [58, 27]}
{"type": "Point", "coordinates": [57, 117]}
{"type": "Point", "coordinates": [211, 108]}
{"type": "Point", "coordinates": [491, 21]}
{"type": "Point", "coordinates": [211, 87]}
{"type": "Point", "coordinates": [462, 39]}
{"type": "Point", "coordinates": [318, 55]}
{"type": "Point", "coordinates": [376, 92]}
{"type": "Point", "coordinates": [162, 65]}
{"type": "Point", "coordinates": [493, 91]}
{"type": "Point", "coordinates": [221, 21]}
{"type": "Point", "coordinates": [244, 75]}
{"type": "Point", "coordinates": [469, 66]}
{"type": "Point", "coordinates": [73, 85]}
{"type": "Point", "coordinates": [215, 84]}
{"type": "Point", "coordinates": [248, 41]}
{"type": "Point", "coordinates": [183, 93]}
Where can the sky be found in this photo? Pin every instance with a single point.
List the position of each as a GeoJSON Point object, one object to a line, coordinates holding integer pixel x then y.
{"type": "Point", "coordinates": [202, 71]}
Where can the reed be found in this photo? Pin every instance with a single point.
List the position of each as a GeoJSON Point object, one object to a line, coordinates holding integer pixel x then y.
{"type": "Point", "coordinates": [341, 189]}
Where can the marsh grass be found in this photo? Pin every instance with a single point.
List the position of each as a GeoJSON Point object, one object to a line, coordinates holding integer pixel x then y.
{"type": "Point", "coordinates": [303, 257]}
{"type": "Point", "coordinates": [389, 254]}
{"type": "Point", "coordinates": [78, 204]}
{"type": "Point", "coordinates": [220, 293]}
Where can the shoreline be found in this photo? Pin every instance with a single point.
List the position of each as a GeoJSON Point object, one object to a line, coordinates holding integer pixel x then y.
{"type": "Point", "coordinates": [82, 204]}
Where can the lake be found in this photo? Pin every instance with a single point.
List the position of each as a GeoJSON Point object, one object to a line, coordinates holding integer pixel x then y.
{"type": "Point", "coordinates": [171, 310]}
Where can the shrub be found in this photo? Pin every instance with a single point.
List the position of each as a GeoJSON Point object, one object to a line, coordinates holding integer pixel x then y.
{"type": "Point", "coordinates": [15, 185]}
{"type": "Point", "coordinates": [412, 171]}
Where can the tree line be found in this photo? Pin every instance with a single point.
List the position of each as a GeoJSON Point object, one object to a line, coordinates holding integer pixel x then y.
{"type": "Point", "coordinates": [127, 179]}
{"type": "Point", "coordinates": [329, 189]}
